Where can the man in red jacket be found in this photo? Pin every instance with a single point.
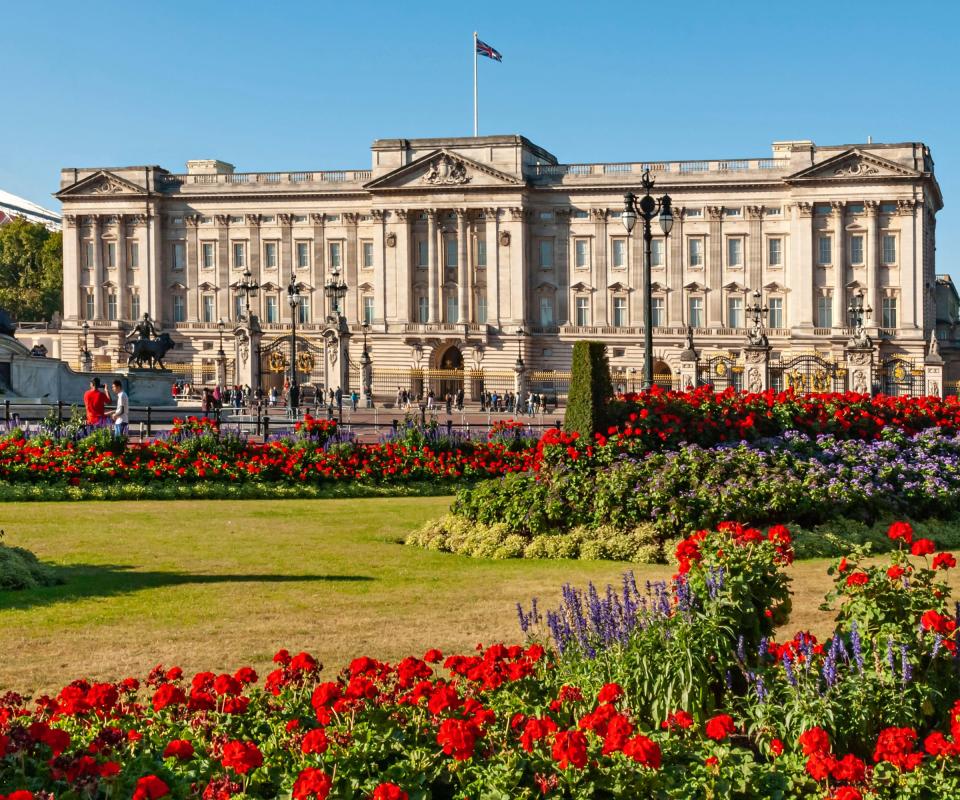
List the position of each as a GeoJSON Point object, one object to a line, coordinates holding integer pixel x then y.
{"type": "Point", "coordinates": [95, 400]}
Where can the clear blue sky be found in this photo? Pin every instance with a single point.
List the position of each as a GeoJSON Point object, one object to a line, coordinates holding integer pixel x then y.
{"type": "Point", "coordinates": [298, 85]}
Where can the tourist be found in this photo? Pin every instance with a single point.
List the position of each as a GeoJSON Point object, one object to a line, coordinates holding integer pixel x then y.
{"type": "Point", "coordinates": [430, 400]}
{"type": "Point", "coordinates": [354, 397]}
{"type": "Point", "coordinates": [95, 401]}
{"type": "Point", "coordinates": [121, 415]}
{"type": "Point", "coordinates": [206, 402]}
{"type": "Point", "coordinates": [273, 396]}
{"type": "Point", "coordinates": [448, 400]}
{"type": "Point", "coordinates": [174, 390]}
{"type": "Point", "coordinates": [339, 396]}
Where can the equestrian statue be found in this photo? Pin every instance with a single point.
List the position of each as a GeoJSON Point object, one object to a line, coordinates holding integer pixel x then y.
{"type": "Point", "coordinates": [150, 346]}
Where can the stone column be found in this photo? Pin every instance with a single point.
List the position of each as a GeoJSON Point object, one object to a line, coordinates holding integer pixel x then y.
{"type": "Point", "coordinates": [599, 216]}
{"type": "Point", "coordinates": [674, 300]}
{"type": "Point", "coordinates": [123, 289]}
{"type": "Point", "coordinates": [802, 294]}
{"type": "Point", "coordinates": [910, 276]}
{"type": "Point", "coordinates": [142, 274]}
{"type": "Point", "coordinates": [520, 379]}
{"type": "Point", "coordinates": [157, 276]}
{"type": "Point", "coordinates": [253, 259]}
{"type": "Point", "coordinates": [860, 369]}
{"type": "Point", "coordinates": [518, 261]}
{"type": "Point", "coordinates": [398, 242]}
{"type": "Point", "coordinates": [96, 236]}
{"type": "Point", "coordinates": [379, 267]}
{"type": "Point", "coordinates": [285, 259]}
{"type": "Point", "coordinates": [714, 270]}
{"type": "Point", "coordinates": [492, 230]}
{"type": "Point", "coordinates": [72, 250]}
{"type": "Point", "coordinates": [756, 255]}
{"type": "Point", "coordinates": [872, 298]}
{"type": "Point", "coordinates": [350, 271]}
{"type": "Point", "coordinates": [563, 267]}
{"type": "Point", "coordinates": [433, 277]}
{"type": "Point", "coordinates": [224, 255]}
{"type": "Point", "coordinates": [839, 266]}
{"type": "Point", "coordinates": [756, 368]}
{"type": "Point", "coordinates": [318, 273]}
{"type": "Point", "coordinates": [463, 287]}
{"type": "Point", "coordinates": [193, 263]}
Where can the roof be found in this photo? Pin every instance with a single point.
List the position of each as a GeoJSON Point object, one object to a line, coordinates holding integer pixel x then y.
{"type": "Point", "coordinates": [13, 206]}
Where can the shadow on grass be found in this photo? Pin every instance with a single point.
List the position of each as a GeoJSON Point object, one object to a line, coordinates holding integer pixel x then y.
{"type": "Point", "coordinates": [81, 581]}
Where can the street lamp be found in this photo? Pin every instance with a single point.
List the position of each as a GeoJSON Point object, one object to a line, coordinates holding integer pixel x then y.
{"type": "Point", "coordinates": [336, 289]}
{"type": "Point", "coordinates": [520, 334]}
{"type": "Point", "coordinates": [757, 311]}
{"type": "Point", "coordinates": [366, 368]}
{"type": "Point", "coordinates": [221, 356]}
{"type": "Point", "coordinates": [248, 286]}
{"type": "Point", "coordinates": [857, 313]}
{"type": "Point", "coordinates": [294, 299]}
{"type": "Point", "coordinates": [646, 208]}
{"type": "Point", "coordinates": [87, 358]}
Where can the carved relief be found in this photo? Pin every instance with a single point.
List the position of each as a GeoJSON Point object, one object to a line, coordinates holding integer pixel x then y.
{"type": "Point", "coordinates": [253, 220]}
{"type": "Point", "coordinates": [316, 219]}
{"type": "Point", "coordinates": [715, 213]}
{"type": "Point", "coordinates": [856, 169]}
{"type": "Point", "coordinates": [138, 219]}
{"type": "Point", "coordinates": [934, 389]}
{"type": "Point", "coordinates": [859, 381]}
{"type": "Point", "coordinates": [754, 212]}
{"type": "Point", "coordinates": [859, 359]}
{"type": "Point", "coordinates": [70, 220]}
{"type": "Point", "coordinates": [447, 171]}
{"type": "Point", "coordinates": [351, 218]}
{"type": "Point", "coordinates": [871, 206]}
{"type": "Point", "coordinates": [599, 214]}
{"type": "Point", "coordinates": [285, 219]}
{"type": "Point", "coordinates": [504, 238]}
{"type": "Point", "coordinates": [837, 206]}
{"type": "Point", "coordinates": [491, 213]}
{"type": "Point", "coordinates": [223, 220]}
{"type": "Point", "coordinates": [906, 207]}
{"type": "Point", "coordinates": [107, 185]}
{"type": "Point", "coordinates": [391, 239]}
{"type": "Point", "coordinates": [562, 214]}
{"type": "Point", "coordinates": [755, 355]}
{"type": "Point", "coordinates": [516, 213]}
{"type": "Point", "coordinates": [401, 214]}
{"type": "Point", "coordinates": [805, 209]}
{"type": "Point", "coordinates": [754, 384]}
{"type": "Point", "coordinates": [192, 220]}
{"type": "Point", "coordinates": [378, 214]}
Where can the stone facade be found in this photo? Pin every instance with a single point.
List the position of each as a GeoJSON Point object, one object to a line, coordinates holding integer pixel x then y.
{"type": "Point", "coordinates": [449, 246]}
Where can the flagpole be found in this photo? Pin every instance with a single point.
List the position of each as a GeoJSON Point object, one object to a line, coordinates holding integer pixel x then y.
{"type": "Point", "coordinates": [475, 116]}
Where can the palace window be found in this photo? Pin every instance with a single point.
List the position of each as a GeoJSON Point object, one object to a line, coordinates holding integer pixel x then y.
{"type": "Point", "coordinates": [545, 251]}
{"type": "Point", "coordinates": [366, 249]}
{"type": "Point", "coordinates": [546, 311]}
{"type": "Point", "coordinates": [695, 312]}
{"type": "Point", "coordinates": [88, 304]}
{"type": "Point", "coordinates": [620, 312]}
{"type": "Point", "coordinates": [423, 309]}
{"type": "Point", "coordinates": [735, 312]}
{"type": "Point", "coordinates": [179, 255]}
{"type": "Point", "coordinates": [134, 305]}
{"type": "Point", "coordinates": [658, 315]}
{"type": "Point", "coordinates": [303, 255]}
{"type": "Point", "coordinates": [423, 254]}
{"type": "Point", "coordinates": [735, 252]}
{"type": "Point", "coordinates": [581, 248]}
{"type": "Point", "coordinates": [368, 309]}
{"type": "Point", "coordinates": [88, 254]}
{"type": "Point", "coordinates": [825, 250]}
{"type": "Point", "coordinates": [273, 308]}
{"type": "Point", "coordinates": [889, 247]}
{"type": "Point", "coordinates": [855, 208]}
{"type": "Point", "coordinates": [775, 304]}
{"type": "Point", "coordinates": [481, 253]}
{"type": "Point", "coordinates": [583, 311]}
{"type": "Point", "coordinates": [179, 308]}
{"type": "Point", "coordinates": [888, 312]}
{"type": "Point", "coordinates": [112, 306]}
{"type": "Point", "coordinates": [695, 252]}
{"type": "Point", "coordinates": [856, 249]}
{"type": "Point", "coordinates": [824, 311]}
{"type": "Point", "coordinates": [239, 255]}
{"type": "Point", "coordinates": [111, 255]}
{"type": "Point", "coordinates": [133, 255]}
{"type": "Point", "coordinates": [270, 255]}
{"type": "Point", "coordinates": [452, 308]}
{"type": "Point", "coordinates": [303, 311]}
{"type": "Point", "coordinates": [774, 251]}
{"type": "Point", "coordinates": [208, 257]}
{"type": "Point", "coordinates": [208, 308]}
{"type": "Point", "coordinates": [656, 252]}
{"type": "Point", "coordinates": [619, 253]}
{"type": "Point", "coordinates": [239, 306]}
{"type": "Point", "coordinates": [451, 245]}
{"type": "Point", "coordinates": [482, 309]}
{"type": "Point", "coordinates": [335, 252]}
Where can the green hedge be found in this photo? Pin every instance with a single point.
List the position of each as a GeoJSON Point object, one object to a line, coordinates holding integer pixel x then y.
{"type": "Point", "coordinates": [590, 389]}
{"type": "Point", "coordinates": [20, 569]}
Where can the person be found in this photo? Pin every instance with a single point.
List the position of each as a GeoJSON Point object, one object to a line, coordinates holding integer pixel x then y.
{"type": "Point", "coordinates": [121, 415]}
{"type": "Point", "coordinates": [174, 390]}
{"type": "Point", "coordinates": [448, 402]}
{"type": "Point", "coordinates": [354, 397]}
{"type": "Point", "coordinates": [273, 395]}
{"type": "Point", "coordinates": [95, 401]}
{"type": "Point", "coordinates": [339, 396]}
{"type": "Point", "coordinates": [206, 402]}
{"type": "Point", "coordinates": [430, 400]}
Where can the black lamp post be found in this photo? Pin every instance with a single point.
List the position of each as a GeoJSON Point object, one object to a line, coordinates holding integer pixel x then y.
{"type": "Point", "coordinates": [87, 359]}
{"type": "Point", "coordinates": [520, 334]}
{"type": "Point", "coordinates": [294, 299]}
{"type": "Point", "coordinates": [221, 356]}
{"type": "Point", "coordinates": [646, 208]}
{"type": "Point", "coordinates": [366, 369]}
{"type": "Point", "coordinates": [248, 286]}
{"type": "Point", "coordinates": [858, 313]}
{"type": "Point", "coordinates": [336, 289]}
{"type": "Point", "coordinates": [757, 312]}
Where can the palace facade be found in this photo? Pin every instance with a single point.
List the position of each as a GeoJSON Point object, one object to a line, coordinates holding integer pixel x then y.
{"type": "Point", "coordinates": [449, 247]}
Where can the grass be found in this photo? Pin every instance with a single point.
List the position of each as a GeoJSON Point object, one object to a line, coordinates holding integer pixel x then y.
{"type": "Point", "coordinates": [220, 584]}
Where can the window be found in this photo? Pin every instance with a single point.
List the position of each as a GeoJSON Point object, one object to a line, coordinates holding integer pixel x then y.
{"type": "Point", "coordinates": [270, 255]}
{"type": "Point", "coordinates": [619, 253]}
{"type": "Point", "coordinates": [207, 261]}
{"type": "Point", "coordinates": [366, 250]}
{"type": "Point", "coordinates": [889, 248]}
{"type": "Point", "coordinates": [134, 305]}
{"type": "Point", "coordinates": [208, 308]}
{"type": "Point", "coordinates": [335, 250]}
{"type": "Point", "coordinates": [133, 255]}
{"type": "Point", "coordinates": [272, 309]}
{"type": "Point", "coordinates": [579, 213]}
{"type": "Point", "coordinates": [774, 251]}
{"type": "Point", "coordinates": [452, 309]}
{"type": "Point", "coordinates": [581, 249]}
{"type": "Point", "coordinates": [825, 252]}
{"type": "Point", "coordinates": [179, 311]}
{"type": "Point", "coordinates": [824, 311]}
{"type": "Point", "coordinates": [368, 309]}
{"type": "Point", "coordinates": [735, 312]}
{"type": "Point", "coordinates": [695, 249]}
{"type": "Point", "coordinates": [656, 253]}
{"type": "Point", "coordinates": [481, 253]}
{"type": "Point", "coordinates": [112, 306]}
{"type": "Point", "coordinates": [694, 212]}
{"type": "Point", "coordinates": [888, 312]}
{"type": "Point", "coordinates": [88, 254]}
{"type": "Point", "coordinates": [239, 307]}
{"type": "Point", "coordinates": [735, 251]}
{"type": "Point", "coordinates": [775, 304]}
{"type": "Point", "coordinates": [88, 303]}
{"type": "Point", "coordinates": [856, 249]}
{"type": "Point", "coordinates": [732, 212]}
{"type": "Point", "coordinates": [303, 310]}
{"type": "Point", "coordinates": [658, 316]}
{"type": "Point", "coordinates": [239, 255]}
{"type": "Point", "coordinates": [451, 244]}
{"type": "Point", "coordinates": [545, 248]}
{"type": "Point", "coordinates": [546, 311]}
{"type": "Point", "coordinates": [423, 309]}
{"type": "Point", "coordinates": [482, 309]}
{"type": "Point", "coordinates": [583, 311]}
{"type": "Point", "coordinates": [303, 255]}
{"type": "Point", "coordinates": [695, 309]}
{"type": "Point", "coordinates": [112, 255]}
{"type": "Point", "coordinates": [423, 254]}
{"type": "Point", "coordinates": [855, 208]}
{"type": "Point", "coordinates": [620, 311]}
{"type": "Point", "coordinates": [179, 255]}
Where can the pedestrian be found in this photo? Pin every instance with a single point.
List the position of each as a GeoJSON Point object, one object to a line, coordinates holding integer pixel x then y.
{"type": "Point", "coordinates": [121, 414]}
{"type": "Point", "coordinates": [206, 402]}
{"type": "Point", "coordinates": [448, 400]}
{"type": "Point", "coordinates": [95, 401]}
{"type": "Point", "coordinates": [354, 397]}
{"type": "Point", "coordinates": [430, 397]}
{"type": "Point", "coordinates": [339, 396]}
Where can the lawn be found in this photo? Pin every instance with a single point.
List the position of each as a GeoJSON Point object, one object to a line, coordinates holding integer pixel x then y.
{"type": "Point", "coordinates": [218, 584]}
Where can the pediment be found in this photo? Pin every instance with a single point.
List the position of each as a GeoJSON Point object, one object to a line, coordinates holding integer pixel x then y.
{"type": "Point", "coordinates": [440, 170]}
{"type": "Point", "coordinates": [269, 286]}
{"type": "Point", "coordinates": [177, 286]}
{"type": "Point", "coordinates": [855, 285]}
{"type": "Point", "coordinates": [733, 286]}
{"type": "Point", "coordinates": [366, 286]}
{"type": "Point", "coordinates": [547, 285]}
{"type": "Point", "coordinates": [656, 286]}
{"type": "Point", "coordinates": [619, 287]}
{"type": "Point", "coordinates": [854, 164]}
{"type": "Point", "coordinates": [206, 285]}
{"type": "Point", "coordinates": [102, 183]}
{"type": "Point", "coordinates": [580, 286]}
{"type": "Point", "coordinates": [775, 287]}
{"type": "Point", "coordinates": [694, 286]}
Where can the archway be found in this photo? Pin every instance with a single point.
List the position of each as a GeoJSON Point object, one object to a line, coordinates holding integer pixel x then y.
{"type": "Point", "coordinates": [662, 374]}
{"type": "Point", "coordinates": [447, 373]}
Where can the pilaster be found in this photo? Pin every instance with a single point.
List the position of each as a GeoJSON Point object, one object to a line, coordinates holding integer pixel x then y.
{"type": "Point", "coordinates": [193, 262]}
{"type": "Point", "coordinates": [599, 216]}
{"type": "Point", "coordinates": [463, 287]}
{"type": "Point", "coordinates": [714, 271]}
{"type": "Point", "coordinates": [72, 286]}
{"type": "Point", "coordinates": [757, 368]}
{"type": "Point", "coordinates": [860, 369]}
{"type": "Point", "coordinates": [399, 307]}
{"type": "Point", "coordinates": [911, 277]}
{"type": "Point", "coordinates": [493, 264]}
{"type": "Point", "coordinates": [839, 266]}
{"type": "Point", "coordinates": [755, 255]}
{"type": "Point", "coordinates": [517, 243]}
{"type": "Point", "coordinates": [318, 273]}
{"type": "Point", "coordinates": [96, 235]}
{"type": "Point", "coordinates": [379, 267]}
{"type": "Point", "coordinates": [224, 255]}
{"type": "Point", "coordinates": [674, 300]}
{"type": "Point", "coordinates": [123, 287]}
{"type": "Point", "coordinates": [873, 258]}
{"type": "Point", "coordinates": [433, 273]}
{"type": "Point", "coordinates": [800, 283]}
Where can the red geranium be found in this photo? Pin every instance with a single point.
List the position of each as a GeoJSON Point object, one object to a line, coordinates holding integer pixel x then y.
{"type": "Point", "coordinates": [150, 787]}
{"type": "Point", "coordinates": [896, 746]}
{"type": "Point", "coordinates": [389, 791]}
{"type": "Point", "coordinates": [241, 757]}
{"type": "Point", "coordinates": [644, 751]}
{"type": "Point", "coordinates": [180, 749]}
{"type": "Point", "coordinates": [902, 531]}
{"type": "Point", "coordinates": [457, 738]}
{"type": "Point", "coordinates": [923, 547]}
{"type": "Point", "coordinates": [312, 783]}
{"type": "Point", "coordinates": [814, 740]}
{"type": "Point", "coordinates": [570, 748]}
{"type": "Point", "coordinates": [857, 579]}
{"type": "Point", "coordinates": [315, 742]}
{"type": "Point", "coordinates": [944, 561]}
{"type": "Point", "coordinates": [720, 727]}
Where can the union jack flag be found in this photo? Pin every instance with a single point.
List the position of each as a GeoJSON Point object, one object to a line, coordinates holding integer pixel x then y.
{"type": "Point", "coordinates": [486, 50]}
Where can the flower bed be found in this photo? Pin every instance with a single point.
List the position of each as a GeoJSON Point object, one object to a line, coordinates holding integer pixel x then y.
{"type": "Point", "coordinates": [677, 690]}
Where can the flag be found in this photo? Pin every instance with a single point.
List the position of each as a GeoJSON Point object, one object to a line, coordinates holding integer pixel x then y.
{"type": "Point", "coordinates": [486, 50]}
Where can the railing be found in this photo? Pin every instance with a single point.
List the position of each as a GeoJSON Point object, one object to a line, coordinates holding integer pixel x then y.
{"type": "Point", "coordinates": [267, 178]}
{"type": "Point", "coordinates": [677, 167]}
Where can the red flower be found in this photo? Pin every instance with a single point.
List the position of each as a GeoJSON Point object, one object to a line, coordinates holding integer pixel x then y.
{"type": "Point", "coordinates": [711, 761]}
{"type": "Point", "coordinates": [433, 656]}
{"type": "Point", "coordinates": [923, 547]}
{"type": "Point", "coordinates": [315, 742]}
{"type": "Point", "coordinates": [644, 751]}
{"type": "Point", "coordinates": [843, 566]}
{"type": "Point", "coordinates": [678, 719]}
{"type": "Point", "coordinates": [389, 791]}
{"type": "Point", "coordinates": [944, 561]}
{"type": "Point", "coordinates": [902, 531]}
{"type": "Point", "coordinates": [168, 695]}
{"type": "Point", "coordinates": [936, 745]}
{"type": "Point", "coordinates": [937, 622]}
{"type": "Point", "coordinates": [241, 757]}
{"type": "Point", "coordinates": [849, 769]}
{"type": "Point", "coordinates": [311, 783]}
{"type": "Point", "coordinates": [570, 748]}
{"type": "Point", "coordinates": [813, 741]}
{"type": "Point", "coordinates": [846, 793]}
{"type": "Point", "coordinates": [857, 579]}
{"type": "Point", "coordinates": [150, 787]}
{"type": "Point", "coordinates": [820, 765]}
{"type": "Point", "coordinates": [180, 749]}
{"type": "Point", "coordinates": [457, 738]}
{"type": "Point", "coordinates": [776, 747]}
{"type": "Point", "coordinates": [720, 727]}
{"type": "Point", "coordinates": [895, 572]}
{"type": "Point", "coordinates": [895, 746]}
{"type": "Point", "coordinates": [610, 693]}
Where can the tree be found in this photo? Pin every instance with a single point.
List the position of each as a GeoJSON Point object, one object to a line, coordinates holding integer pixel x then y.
{"type": "Point", "coordinates": [31, 270]}
{"type": "Point", "coordinates": [590, 389]}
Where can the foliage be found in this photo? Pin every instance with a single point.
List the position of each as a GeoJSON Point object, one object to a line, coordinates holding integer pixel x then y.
{"type": "Point", "coordinates": [31, 270]}
{"type": "Point", "coordinates": [20, 569]}
{"type": "Point", "coordinates": [590, 389]}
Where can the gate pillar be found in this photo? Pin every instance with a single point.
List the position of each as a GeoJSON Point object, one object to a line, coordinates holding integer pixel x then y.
{"type": "Point", "coordinates": [246, 343]}
{"type": "Point", "coordinates": [756, 377]}
{"type": "Point", "coordinates": [933, 368]}
{"type": "Point", "coordinates": [860, 369]}
{"type": "Point", "coordinates": [688, 363]}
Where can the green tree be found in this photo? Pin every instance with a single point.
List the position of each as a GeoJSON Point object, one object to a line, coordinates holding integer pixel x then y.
{"type": "Point", "coordinates": [31, 270]}
{"type": "Point", "coordinates": [590, 389]}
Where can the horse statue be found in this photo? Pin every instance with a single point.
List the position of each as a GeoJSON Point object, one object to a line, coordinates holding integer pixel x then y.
{"type": "Point", "coordinates": [151, 352]}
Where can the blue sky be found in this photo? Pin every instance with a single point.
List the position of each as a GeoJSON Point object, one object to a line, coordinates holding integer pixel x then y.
{"type": "Point", "coordinates": [277, 86]}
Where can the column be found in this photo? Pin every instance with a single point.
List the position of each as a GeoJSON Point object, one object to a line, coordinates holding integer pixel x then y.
{"type": "Point", "coordinates": [635, 275]}
{"type": "Point", "coordinates": [800, 296]}
{"type": "Point", "coordinates": [676, 314]}
{"type": "Point", "coordinates": [318, 273]}
{"type": "Point", "coordinates": [714, 270]}
{"type": "Point", "coordinates": [562, 267]}
{"type": "Point", "coordinates": [755, 250]}
{"type": "Point", "coordinates": [911, 283]}
{"type": "Point", "coordinates": [157, 274]}
{"type": "Point", "coordinates": [72, 250]}
{"type": "Point", "coordinates": [463, 288]}
{"type": "Point", "coordinates": [285, 262]}
{"type": "Point", "coordinates": [142, 273]}
{"type": "Point", "coordinates": [493, 264]}
{"type": "Point", "coordinates": [96, 236]}
{"type": "Point", "coordinates": [518, 260]}
{"type": "Point", "coordinates": [193, 263]}
{"type": "Point", "coordinates": [123, 290]}
{"type": "Point", "coordinates": [351, 302]}
{"type": "Point", "coordinates": [379, 267]}
{"type": "Point", "coordinates": [223, 253]}
{"type": "Point", "coordinates": [253, 259]}
{"type": "Point", "coordinates": [399, 307]}
{"type": "Point", "coordinates": [600, 265]}
{"type": "Point", "coordinates": [873, 260]}
{"type": "Point", "coordinates": [432, 273]}
{"type": "Point", "coordinates": [839, 266]}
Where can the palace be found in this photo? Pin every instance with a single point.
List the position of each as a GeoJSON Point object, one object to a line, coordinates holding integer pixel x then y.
{"type": "Point", "coordinates": [460, 253]}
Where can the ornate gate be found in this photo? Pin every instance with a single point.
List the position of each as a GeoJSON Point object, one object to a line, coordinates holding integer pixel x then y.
{"type": "Point", "coordinates": [807, 374]}
{"type": "Point", "coordinates": [275, 365]}
{"type": "Point", "coordinates": [900, 378]}
{"type": "Point", "coordinates": [721, 372]}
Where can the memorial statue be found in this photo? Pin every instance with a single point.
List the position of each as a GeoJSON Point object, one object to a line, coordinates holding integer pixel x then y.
{"type": "Point", "coordinates": [150, 346]}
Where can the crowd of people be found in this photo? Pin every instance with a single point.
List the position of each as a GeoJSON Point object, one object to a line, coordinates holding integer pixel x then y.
{"type": "Point", "coordinates": [493, 402]}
